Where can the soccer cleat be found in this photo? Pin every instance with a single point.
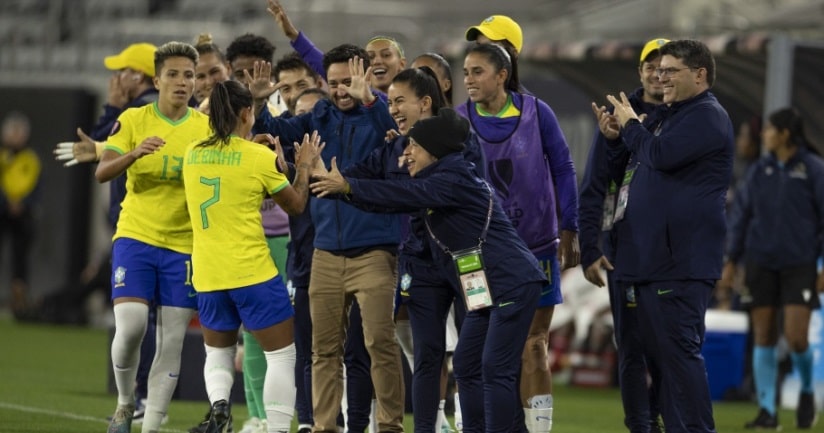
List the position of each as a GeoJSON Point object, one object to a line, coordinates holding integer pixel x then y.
{"type": "Point", "coordinates": [305, 430]}
{"type": "Point", "coordinates": [220, 418]}
{"type": "Point", "coordinates": [201, 427]}
{"type": "Point", "coordinates": [806, 415]}
{"type": "Point", "coordinates": [764, 421]}
{"type": "Point", "coordinates": [122, 420]}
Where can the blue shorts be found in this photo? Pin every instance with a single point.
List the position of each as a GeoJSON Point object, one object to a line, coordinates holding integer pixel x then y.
{"type": "Point", "coordinates": [258, 306]}
{"type": "Point", "coordinates": [152, 273]}
{"type": "Point", "coordinates": [551, 293]}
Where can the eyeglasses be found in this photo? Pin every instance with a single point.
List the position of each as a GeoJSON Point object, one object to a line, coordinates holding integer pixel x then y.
{"type": "Point", "coordinates": [664, 72]}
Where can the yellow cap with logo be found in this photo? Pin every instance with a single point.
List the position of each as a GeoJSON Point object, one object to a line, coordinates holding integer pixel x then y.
{"type": "Point", "coordinates": [498, 28]}
{"type": "Point", "coordinates": [653, 45]}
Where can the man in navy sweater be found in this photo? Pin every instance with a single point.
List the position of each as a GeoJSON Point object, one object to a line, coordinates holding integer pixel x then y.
{"type": "Point", "coordinates": [596, 202]}
{"type": "Point", "coordinates": [670, 226]}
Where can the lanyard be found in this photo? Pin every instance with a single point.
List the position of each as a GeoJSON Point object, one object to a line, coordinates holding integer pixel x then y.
{"type": "Point", "coordinates": [481, 239]}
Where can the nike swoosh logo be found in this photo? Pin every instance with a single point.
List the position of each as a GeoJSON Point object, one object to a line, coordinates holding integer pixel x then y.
{"type": "Point", "coordinates": [539, 418]}
{"type": "Point", "coordinates": [504, 304]}
{"type": "Point", "coordinates": [192, 294]}
{"type": "Point", "coordinates": [664, 292]}
{"type": "Point", "coordinates": [174, 376]}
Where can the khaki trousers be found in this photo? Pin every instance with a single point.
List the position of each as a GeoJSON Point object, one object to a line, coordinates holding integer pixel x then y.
{"type": "Point", "coordinates": [335, 281]}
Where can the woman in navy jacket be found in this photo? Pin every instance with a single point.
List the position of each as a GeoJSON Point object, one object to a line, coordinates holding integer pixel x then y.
{"type": "Point", "coordinates": [459, 212]}
{"type": "Point", "coordinates": [413, 95]}
{"type": "Point", "coordinates": [776, 225]}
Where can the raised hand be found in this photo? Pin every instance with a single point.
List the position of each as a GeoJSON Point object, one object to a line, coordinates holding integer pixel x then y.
{"type": "Point", "coordinates": [260, 82]}
{"type": "Point", "coordinates": [75, 152]}
{"type": "Point", "coordinates": [117, 96]}
{"type": "Point", "coordinates": [282, 19]}
{"type": "Point", "coordinates": [308, 153]}
{"type": "Point", "coordinates": [361, 86]}
{"type": "Point", "coordinates": [332, 183]}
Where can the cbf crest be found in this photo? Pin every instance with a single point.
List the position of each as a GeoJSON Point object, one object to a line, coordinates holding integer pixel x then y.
{"type": "Point", "coordinates": [120, 276]}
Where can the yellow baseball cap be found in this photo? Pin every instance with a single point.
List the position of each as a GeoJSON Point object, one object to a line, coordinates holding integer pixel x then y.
{"type": "Point", "coordinates": [653, 45]}
{"type": "Point", "coordinates": [139, 57]}
{"type": "Point", "coordinates": [498, 28]}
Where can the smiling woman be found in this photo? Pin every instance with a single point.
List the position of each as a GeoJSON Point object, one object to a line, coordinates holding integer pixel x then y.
{"type": "Point", "coordinates": [500, 282]}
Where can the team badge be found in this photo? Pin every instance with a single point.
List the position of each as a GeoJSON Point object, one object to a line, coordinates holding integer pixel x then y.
{"type": "Point", "coordinates": [406, 282]}
{"type": "Point", "coordinates": [120, 276]}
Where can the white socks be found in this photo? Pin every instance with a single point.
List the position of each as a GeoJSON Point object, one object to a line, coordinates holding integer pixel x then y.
{"type": "Point", "coordinates": [219, 372]}
{"type": "Point", "coordinates": [458, 414]}
{"type": "Point", "coordinates": [130, 320]}
{"type": "Point", "coordinates": [403, 331]}
{"type": "Point", "coordinates": [172, 323]}
{"type": "Point", "coordinates": [279, 388]}
{"type": "Point", "coordinates": [373, 420]}
{"type": "Point", "coordinates": [441, 421]}
{"type": "Point", "coordinates": [538, 416]}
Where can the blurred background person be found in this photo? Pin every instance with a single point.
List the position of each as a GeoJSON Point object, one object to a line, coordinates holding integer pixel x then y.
{"type": "Point", "coordinates": [19, 182]}
{"type": "Point", "coordinates": [775, 228]}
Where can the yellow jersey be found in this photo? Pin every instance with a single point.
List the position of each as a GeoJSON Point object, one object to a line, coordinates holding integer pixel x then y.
{"type": "Point", "coordinates": [225, 186]}
{"type": "Point", "coordinates": [19, 173]}
{"type": "Point", "coordinates": [154, 210]}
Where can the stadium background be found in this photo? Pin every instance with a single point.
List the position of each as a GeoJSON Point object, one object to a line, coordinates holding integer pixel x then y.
{"type": "Point", "coordinates": [769, 55]}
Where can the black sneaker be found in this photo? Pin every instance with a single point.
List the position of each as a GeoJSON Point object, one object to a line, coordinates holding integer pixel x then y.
{"type": "Point", "coordinates": [806, 415]}
{"type": "Point", "coordinates": [764, 421]}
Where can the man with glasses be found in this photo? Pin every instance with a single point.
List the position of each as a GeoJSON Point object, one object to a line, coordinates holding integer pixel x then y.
{"type": "Point", "coordinates": [598, 193]}
{"type": "Point", "coordinates": [669, 224]}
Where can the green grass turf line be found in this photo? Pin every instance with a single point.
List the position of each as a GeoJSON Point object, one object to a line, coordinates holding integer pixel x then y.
{"type": "Point", "coordinates": [53, 379]}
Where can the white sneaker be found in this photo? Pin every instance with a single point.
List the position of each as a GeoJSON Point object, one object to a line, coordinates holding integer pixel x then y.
{"type": "Point", "coordinates": [252, 425]}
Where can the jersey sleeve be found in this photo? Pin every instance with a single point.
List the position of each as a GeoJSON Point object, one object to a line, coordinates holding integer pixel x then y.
{"type": "Point", "coordinates": [121, 139]}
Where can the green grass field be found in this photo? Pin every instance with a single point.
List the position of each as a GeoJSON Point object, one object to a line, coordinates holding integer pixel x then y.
{"type": "Point", "coordinates": [53, 379]}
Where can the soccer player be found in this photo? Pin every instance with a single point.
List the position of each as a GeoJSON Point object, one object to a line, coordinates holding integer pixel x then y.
{"type": "Point", "coordinates": [227, 178]}
{"type": "Point", "coordinates": [151, 261]}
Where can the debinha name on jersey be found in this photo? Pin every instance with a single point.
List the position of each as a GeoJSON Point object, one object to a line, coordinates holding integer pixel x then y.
{"type": "Point", "coordinates": [214, 156]}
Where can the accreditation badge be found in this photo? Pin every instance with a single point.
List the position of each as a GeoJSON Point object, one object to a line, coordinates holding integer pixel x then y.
{"type": "Point", "coordinates": [474, 285]}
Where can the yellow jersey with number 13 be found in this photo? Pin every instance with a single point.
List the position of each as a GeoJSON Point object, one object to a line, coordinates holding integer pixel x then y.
{"type": "Point", "coordinates": [225, 186]}
{"type": "Point", "coordinates": [154, 210]}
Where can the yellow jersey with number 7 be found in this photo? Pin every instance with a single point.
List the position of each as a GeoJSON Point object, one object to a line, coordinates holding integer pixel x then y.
{"type": "Point", "coordinates": [154, 210]}
{"type": "Point", "coordinates": [225, 186]}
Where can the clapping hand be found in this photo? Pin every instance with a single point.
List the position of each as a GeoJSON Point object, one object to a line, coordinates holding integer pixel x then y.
{"type": "Point", "coordinates": [607, 122]}
{"type": "Point", "coordinates": [623, 109]}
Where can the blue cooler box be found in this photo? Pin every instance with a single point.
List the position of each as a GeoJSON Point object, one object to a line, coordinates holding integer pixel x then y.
{"type": "Point", "coordinates": [725, 344]}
